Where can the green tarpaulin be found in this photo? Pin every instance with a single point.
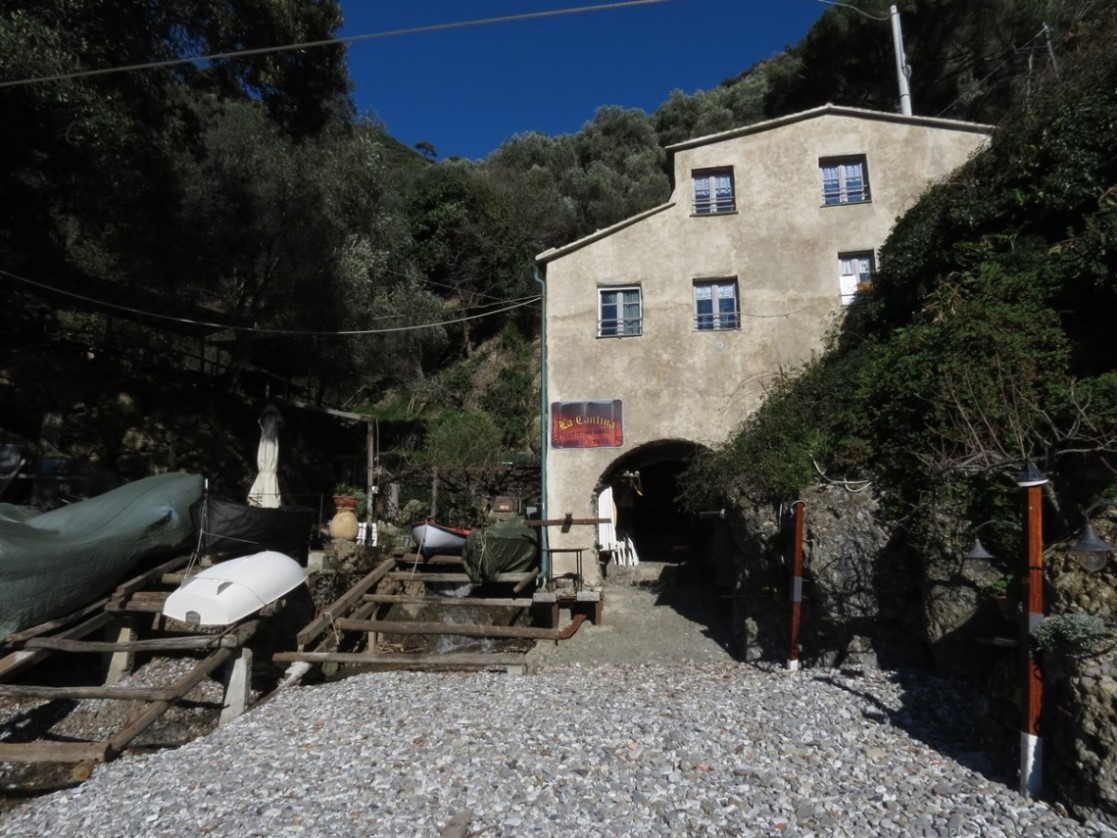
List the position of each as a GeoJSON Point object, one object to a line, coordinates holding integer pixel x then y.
{"type": "Point", "coordinates": [55, 562]}
{"type": "Point", "coordinates": [506, 547]}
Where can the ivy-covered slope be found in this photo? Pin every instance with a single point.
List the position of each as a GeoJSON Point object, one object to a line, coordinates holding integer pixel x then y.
{"type": "Point", "coordinates": [989, 334]}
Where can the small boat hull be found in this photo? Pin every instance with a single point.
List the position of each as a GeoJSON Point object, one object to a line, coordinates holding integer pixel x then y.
{"type": "Point", "coordinates": [230, 591]}
{"type": "Point", "coordinates": [434, 539]}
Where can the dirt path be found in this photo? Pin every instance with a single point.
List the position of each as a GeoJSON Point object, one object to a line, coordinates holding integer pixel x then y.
{"type": "Point", "coordinates": [653, 613]}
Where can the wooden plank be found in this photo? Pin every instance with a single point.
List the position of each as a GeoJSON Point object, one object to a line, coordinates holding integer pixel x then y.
{"type": "Point", "coordinates": [163, 644]}
{"type": "Point", "coordinates": [74, 752]}
{"type": "Point", "coordinates": [20, 659]}
{"type": "Point", "coordinates": [460, 629]}
{"type": "Point", "coordinates": [531, 577]}
{"type": "Point", "coordinates": [451, 601]}
{"type": "Point", "coordinates": [124, 693]}
{"type": "Point", "coordinates": [126, 589]}
{"type": "Point", "coordinates": [141, 602]}
{"type": "Point", "coordinates": [566, 522]}
{"type": "Point", "coordinates": [51, 625]}
{"type": "Point", "coordinates": [342, 604]}
{"type": "Point", "coordinates": [449, 659]}
{"type": "Point", "coordinates": [437, 559]}
{"type": "Point", "coordinates": [459, 578]}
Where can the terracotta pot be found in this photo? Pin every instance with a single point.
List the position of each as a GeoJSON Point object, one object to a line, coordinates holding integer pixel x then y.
{"type": "Point", "coordinates": [343, 526]}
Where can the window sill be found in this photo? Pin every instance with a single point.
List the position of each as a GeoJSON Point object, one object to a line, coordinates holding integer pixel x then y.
{"type": "Point", "coordinates": [619, 337]}
{"type": "Point", "coordinates": [714, 214]}
{"type": "Point", "coordinates": [846, 204]}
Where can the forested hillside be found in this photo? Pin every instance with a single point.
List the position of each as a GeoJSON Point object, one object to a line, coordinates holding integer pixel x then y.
{"type": "Point", "coordinates": [205, 234]}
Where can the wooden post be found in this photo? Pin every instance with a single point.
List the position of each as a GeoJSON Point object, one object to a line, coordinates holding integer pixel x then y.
{"type": "Point", "coordinates": [119, 664]}
{"type": "Point", "coordinates": [370, 468]}
{"type": "Point", "coordinates": [434, 491]}
{"type": "Point", "coordinates": [239, 686]}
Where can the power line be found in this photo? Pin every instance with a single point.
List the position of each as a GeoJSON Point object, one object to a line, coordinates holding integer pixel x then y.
{"type": "Point", "coordinates": [327, 42]}
{"type": "Point", "coordinates": [513, 304]}
{"type": "Point", "coordinates": [849, 6]}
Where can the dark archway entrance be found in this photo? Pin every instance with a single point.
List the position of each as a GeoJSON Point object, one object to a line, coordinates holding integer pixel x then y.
{"type": "Point", "coordinates": [688, 557]}
{"type": "Point", "coordinates": [645, 485]}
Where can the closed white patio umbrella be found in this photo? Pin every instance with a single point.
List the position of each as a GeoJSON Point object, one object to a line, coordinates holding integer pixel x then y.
{"type": "Point", "coordinates": [265, 488]}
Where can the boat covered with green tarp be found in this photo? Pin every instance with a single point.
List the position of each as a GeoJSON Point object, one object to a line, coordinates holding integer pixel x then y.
{"type": "Point", "coordinates": [508, 546]}
{"type": "Point", "coordinates": [52, 563]}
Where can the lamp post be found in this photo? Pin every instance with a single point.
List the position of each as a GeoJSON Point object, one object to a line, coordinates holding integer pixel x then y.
{"type": "Point", "coordinates": [796, 586]}
{"type": "Point", "coordinates": [1092, 550]}
{"type": "Point", "coordinates": [1091, 553]}
{"type": "Point", "coordinates": [1031, 480]}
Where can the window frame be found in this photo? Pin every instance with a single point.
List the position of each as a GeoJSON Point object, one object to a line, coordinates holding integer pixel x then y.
{"type": "Point", "coordinates": [713, 203]}
{"type": "Point", "coordinates": [715, 319]}
{"type": "Point", "coordinates": [840, 196]}
{"type": "Point", "coordinates": [850, 283]}
{"type": "Point", "coordinates": [621, 326]}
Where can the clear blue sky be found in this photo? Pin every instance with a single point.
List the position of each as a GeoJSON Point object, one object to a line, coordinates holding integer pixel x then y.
{"type": "Point", "coordinates": [467, 90]}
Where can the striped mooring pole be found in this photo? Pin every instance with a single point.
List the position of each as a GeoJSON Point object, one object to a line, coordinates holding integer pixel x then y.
{"type": "Point", "coordinates": [796, 586]}
{"type": "Point", "coordinates": [1031, 481]}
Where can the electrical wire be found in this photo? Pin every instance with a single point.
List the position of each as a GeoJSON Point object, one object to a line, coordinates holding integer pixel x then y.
{"type": "Point", "coordinates": [514, 304]}
{"type": "Point", "coordinates": [326, 42]}
{"type": "Point", "coordinates": [849, 6]}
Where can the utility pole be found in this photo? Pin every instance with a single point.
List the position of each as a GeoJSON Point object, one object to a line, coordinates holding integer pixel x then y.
{"type": "Point", "coordinates": [903, 71]}
{"type": "Point", "coordinates": [1051, 49]}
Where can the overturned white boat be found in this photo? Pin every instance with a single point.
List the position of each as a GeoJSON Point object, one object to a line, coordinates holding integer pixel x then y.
{"type": "Point", "coordinates": [232, 590]}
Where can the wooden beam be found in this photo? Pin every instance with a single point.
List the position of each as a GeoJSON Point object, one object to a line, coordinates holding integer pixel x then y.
{"type": "Point", "coordinates": [566, 522]}
{"type": "Point", "coordinates": [342, 604]}
{"type": "Point", "coordinates": [460, 629]}
{"type": "Point", "coordinates": [459, 578]}
{"type": "Point", "coordinates": [65, 752]}
{"type": "Point", "coordinates": [168, 644]}
{"type": "Point", "coordinates": [42, 628]}
{"type": "Point", "coordinates": [126, 589]}
{"type": "Point", "coordinates": [451, 601]}
{"type": "Point", "coordinates": [78, 693]}
{"type": "Point", "coordinates": [141, 602]}
{"type": "Point", "coordinates": [20, 659]}
{"type": "Point", "coordinates": [438, 558]}
{"type": "Point", "coordinates": [448, 660]}
{"type": "Point", "coordinates": [531, 577]}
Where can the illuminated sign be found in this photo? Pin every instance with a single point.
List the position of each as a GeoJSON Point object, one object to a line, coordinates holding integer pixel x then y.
{"type": "Point", "coordinates": [596, 424]}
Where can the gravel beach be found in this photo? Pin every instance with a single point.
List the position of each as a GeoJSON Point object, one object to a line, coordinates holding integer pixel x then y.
{"type": "Point", "coordinates": [580, 747]}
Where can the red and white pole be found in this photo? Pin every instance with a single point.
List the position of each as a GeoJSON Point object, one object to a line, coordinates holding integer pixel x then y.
{"type": "Point", "coordinates": [1031, 743]}
{"type": "Point", "coordinates": [796, 586]}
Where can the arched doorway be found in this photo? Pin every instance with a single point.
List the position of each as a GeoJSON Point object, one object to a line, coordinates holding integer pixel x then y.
{"type": "Point", "coordinates": [687, 557]}
{"type": "Point", "coordinates": [645, 485]}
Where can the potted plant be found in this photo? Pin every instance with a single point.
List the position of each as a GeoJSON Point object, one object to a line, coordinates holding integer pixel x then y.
{"type": "Point", "coordinates": [348, 499]}
{"type": "Point", "coordinates": [1002, 591]}
{"type": "Point", "coordinates": [349, 496]}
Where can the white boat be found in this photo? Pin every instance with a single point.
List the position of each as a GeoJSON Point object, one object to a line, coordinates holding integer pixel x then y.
{"type": "Point", "coordinates": [231, 590]}
{"type": "Point", "coordinates": [435, 539]}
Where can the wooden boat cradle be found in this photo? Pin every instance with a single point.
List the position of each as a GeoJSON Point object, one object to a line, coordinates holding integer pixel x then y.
{"type": "Point", "coordinates": [116, 616]}
{"type": "Point", "coordinates": [359, 609]}
{"type": "Point", "coordinates": [362, 608]}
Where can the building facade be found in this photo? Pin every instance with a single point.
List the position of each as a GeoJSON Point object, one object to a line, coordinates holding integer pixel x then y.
{"type": "Point", "coordinates": [664, 332]}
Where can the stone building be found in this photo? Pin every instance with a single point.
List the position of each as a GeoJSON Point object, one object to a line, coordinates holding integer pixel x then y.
{"type": "Point", "coordinates": [664, 332]}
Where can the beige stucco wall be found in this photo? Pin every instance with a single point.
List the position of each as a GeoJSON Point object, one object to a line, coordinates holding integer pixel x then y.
{"type": "Point", "coordinates": [676, 382]}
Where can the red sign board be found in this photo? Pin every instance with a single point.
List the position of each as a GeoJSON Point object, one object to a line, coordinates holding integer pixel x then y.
{"type": "Point", "coordinates": [596, 424]}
